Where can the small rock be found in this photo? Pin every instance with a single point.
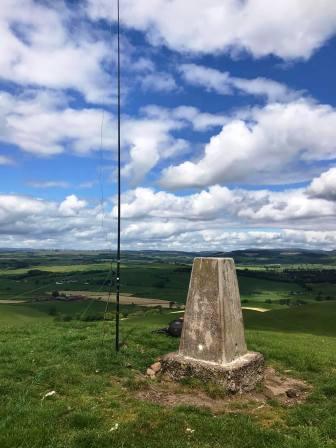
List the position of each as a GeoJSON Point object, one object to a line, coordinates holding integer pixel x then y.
{"type": "Point", "coordinates": [114, 427]}
{"type": "Point", "coordinates": [292, 393]}
{"type": "Point", "coordinates": [150, 372]}
{"type": "Point", "coordinates": [273, 391]}
{"type": "Point", "coordinates": [49, 394]}
{"type": "Point", "coordinates": [156, 367]}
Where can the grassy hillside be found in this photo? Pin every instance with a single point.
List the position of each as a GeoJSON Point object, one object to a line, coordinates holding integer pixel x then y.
{"type": "Point", "coordinates": [315, 319]}
{"type": "Point", "coordinates": [96, 389]}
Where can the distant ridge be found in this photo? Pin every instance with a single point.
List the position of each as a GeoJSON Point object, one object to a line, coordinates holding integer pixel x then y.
{"type": "Point", "coordinates": [242, 256]}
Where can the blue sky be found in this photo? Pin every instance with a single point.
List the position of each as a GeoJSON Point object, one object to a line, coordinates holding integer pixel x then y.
{"type": "Point", "coordinates": [228, 124]}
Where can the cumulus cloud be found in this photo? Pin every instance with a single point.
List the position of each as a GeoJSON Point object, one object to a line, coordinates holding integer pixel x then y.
{"type": "Point", "coordinates": [149, 140]}
{"type": "Point", "coordinates": [225, 84]}
{"type": "Point", "coordinates": [236, 205]}
{"type": "Point", "coordinates": [30, 222]}
{"type": "Point", "coordinates": [286, 238]}
{"type": "Point", "coordinates": [39, 48]}
{"type": "Point", "coordinates": [83, 61]}
{"type": "Point", "coordinates": [187, 116]}
{"type": "Point", "coordinates": [151, 136]}
{"type": "Point", "coordinates": [71, 205]}
{"type": "Point", "coordinates": [288, 29]}
{"type": "Point", "coordinates": [43, 123]}
{"type": "Point", "coordinates": [263, 144]}
{"type": "Point", "coordinates": [14, 207]}
{"type": "Point", "coordinates": [217, 218]}
{"type": "Point", "coordinates": [324, 186]}
{"type": "Point", "coordinates": [145, 202]}
{"type": "Point", "coordinates": [158, 82]}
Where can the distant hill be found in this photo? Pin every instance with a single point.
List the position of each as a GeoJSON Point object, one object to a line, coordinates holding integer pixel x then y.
{"type": "Point", "coordinates": [280, 256]}
{"type": "Point", "coordinates": [246, 256]}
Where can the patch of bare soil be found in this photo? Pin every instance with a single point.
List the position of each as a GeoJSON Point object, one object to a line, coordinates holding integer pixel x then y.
{"type": "Point", "coordinates": [260, 310]}
{"type": "Point", "coordinates": [125, 299]}
{"type": "Point", "coordinates": [287, 391]}
{"type": "Point", "coordinates": [11, 302]}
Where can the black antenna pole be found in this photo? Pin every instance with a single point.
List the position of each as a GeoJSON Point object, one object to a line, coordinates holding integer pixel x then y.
{"type": "Point", "coordinates": [117, 344]}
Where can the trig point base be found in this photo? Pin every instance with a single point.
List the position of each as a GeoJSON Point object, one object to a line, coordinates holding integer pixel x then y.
{"type": "Point", "coordinates": [212, 346]}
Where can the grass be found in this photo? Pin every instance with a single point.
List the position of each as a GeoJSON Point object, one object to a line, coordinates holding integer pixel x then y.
{"type": "Point", "coordinates": [259, 290]}
{"type": "Point", "coordinates": [150, 280]}
{"type": "Point", "coordinates": [315, 319]}
{"type": "Point", "coordinates": [158, 281]}
{"type": "Point", "coordinates": [95, 386]}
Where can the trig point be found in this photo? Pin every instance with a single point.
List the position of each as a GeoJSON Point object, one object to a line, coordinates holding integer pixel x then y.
{"type": "Point", "coordinates": [212, 346]}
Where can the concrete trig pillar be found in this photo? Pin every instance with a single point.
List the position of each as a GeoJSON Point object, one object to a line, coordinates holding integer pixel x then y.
{"type": "Point", "coordinates": [212, 345]}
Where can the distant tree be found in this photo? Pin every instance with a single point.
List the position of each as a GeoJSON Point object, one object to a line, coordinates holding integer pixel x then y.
{"type": "Point", "coordinates": [55, 294]}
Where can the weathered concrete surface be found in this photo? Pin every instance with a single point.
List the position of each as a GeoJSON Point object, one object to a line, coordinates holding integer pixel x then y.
{"type": "Point", "coordinates": [241, 375]}
{"type": "Point", "coordinates": [213, 327]}
{"type": "Point", "coordinates": [213, 344]}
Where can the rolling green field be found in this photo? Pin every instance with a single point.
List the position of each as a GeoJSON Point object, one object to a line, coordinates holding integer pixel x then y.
{"type": "Point", "coordinates": [64, 347]}
{"type": "Point", "coordinates": [97, 389]}
{"type": "Point", "coordinates": [160, 276]}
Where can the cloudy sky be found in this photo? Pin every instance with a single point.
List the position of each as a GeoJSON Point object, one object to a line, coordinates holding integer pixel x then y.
{"type": "Point", "coordinates": [228, 124]}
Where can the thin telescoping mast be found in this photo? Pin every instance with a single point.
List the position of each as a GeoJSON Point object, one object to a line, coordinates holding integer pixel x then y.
{"type": "Point", "coordinates": [117, 344]}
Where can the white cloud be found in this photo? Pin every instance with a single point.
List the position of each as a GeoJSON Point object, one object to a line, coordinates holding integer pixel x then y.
{"type": "Point", "coordinates": [5, 160]}
{"type": "Point", "coordinates": [145, 202]}
{"type": "Point", "coordinates": [31, 222]}
{"type": "Point", "coordinates": [285, 206]}
{"type": "Point", "coordinates": [278, 141]}
{"type": "Point", "coordinates": [42, 123]}
{"type": "Point", "coordinates": [71, 205]}
{"type": "Point", "coordinates": [14, 207]}
{"type": "Point", "coordinates": [150, 137]}
{"type": "Point", "coordinates": [288, 29]}
{"type": "Point", "coordinates": [187, 116]}
{"type": "Point", "coordinates": [286, 238]}
{"type": "Point", "coordinates": [324, 186]}
{"type": "Point", "coordinates": [225, 84]}
{"type": "Point", "coordinates": [261, 207]}
{"type": "Point", "coordinates": [269, 144]}
{"type": "Point", "coordinates": [149, 140]}
{"type": "Point", "coordinates": [158, 82]}
{"type": "Point", "coordinates": [48, 184]}
{"type": "Point", "coordinates": [39, 48]}
{"type": "Point", "coordinates": [214, 219]}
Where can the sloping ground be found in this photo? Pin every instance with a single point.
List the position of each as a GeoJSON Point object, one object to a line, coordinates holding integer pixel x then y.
{"type": "Point", "coordinates": [12, 315]}
{"type": "Point", "coordinates": [317, 319]}
{"type": "Point", "coordinates": [95, 403]}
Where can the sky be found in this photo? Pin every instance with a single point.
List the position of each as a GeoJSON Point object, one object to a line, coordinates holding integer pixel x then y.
{"type": "Point", "coordinates": [228, 124]}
